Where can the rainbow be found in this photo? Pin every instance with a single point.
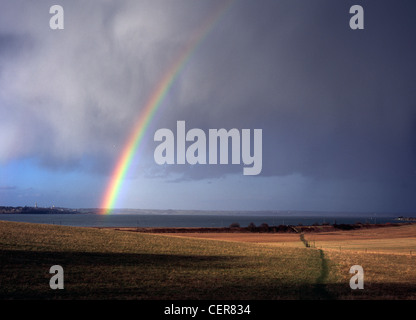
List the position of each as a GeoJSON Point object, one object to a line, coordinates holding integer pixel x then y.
{"type": "Point", "coordinates": [155, 100]}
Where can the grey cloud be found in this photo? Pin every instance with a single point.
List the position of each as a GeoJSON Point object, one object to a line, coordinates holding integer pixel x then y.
{"type": "Point", "coordinates": [76, 92]}
{"type": "Point", "coordinates": [332, 103]}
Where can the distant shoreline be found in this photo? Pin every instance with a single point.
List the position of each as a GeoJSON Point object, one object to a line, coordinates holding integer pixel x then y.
{"type": "Point", "coordinates": [406, 218]}
{"type": "Point", "coordinates": [37, 210]}
{"type": "Point", "coordinates": [127, 211]}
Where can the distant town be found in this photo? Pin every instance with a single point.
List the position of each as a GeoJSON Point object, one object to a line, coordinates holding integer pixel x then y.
{"type": "Point", "coordinates": [401, 218]}
{"type": "Point", "coordinates": [43, 210]}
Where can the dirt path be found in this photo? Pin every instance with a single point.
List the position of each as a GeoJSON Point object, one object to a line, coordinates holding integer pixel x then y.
{"type": "Point", "coordinates": [320, 290]}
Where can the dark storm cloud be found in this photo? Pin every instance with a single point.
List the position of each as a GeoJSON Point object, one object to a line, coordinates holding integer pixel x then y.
{"type": "Point", "coordinates": [334, 104]}
{"type": "Point", "coordinates": [9, 44]}
{"type": "Point", "coordinates": [76, 93]}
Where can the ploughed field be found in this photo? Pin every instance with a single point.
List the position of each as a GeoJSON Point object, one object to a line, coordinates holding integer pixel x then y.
{"type": "Point", "coordinates": [112, 264]}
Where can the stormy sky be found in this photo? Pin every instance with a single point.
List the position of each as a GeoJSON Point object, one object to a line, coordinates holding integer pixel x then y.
{"type": "Point", "coordinates": [337, 107]}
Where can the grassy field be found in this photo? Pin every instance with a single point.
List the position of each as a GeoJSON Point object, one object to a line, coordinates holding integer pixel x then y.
{"type": "Point", "coordinates": [111, 264]}
{"type": "Point", "coordinates": [393, 240]}
{"type": "Point", "coordinates": [387, 255]}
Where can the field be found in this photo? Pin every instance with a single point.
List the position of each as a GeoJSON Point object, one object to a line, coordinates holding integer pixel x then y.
{"type": "Point", "coordinates": [387, 255]}
{"type": "Point", "coordinates": [393, 240]}
{"type": "Point", "coordinates": [114, 264]}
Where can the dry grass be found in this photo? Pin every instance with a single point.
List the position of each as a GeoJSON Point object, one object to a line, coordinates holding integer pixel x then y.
{"type": "Point", "coordinates": [386, 276]}
{"type": "Point", "coordinates": [392, 240]}
{"type": "Point", "coordinates": [278, 239]}
{"type": "Point", "coordinates": [387, 255]}
{"type": "Point", "coordinates": [109, 264]}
